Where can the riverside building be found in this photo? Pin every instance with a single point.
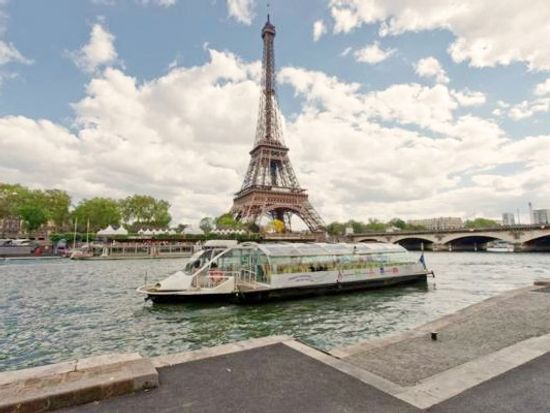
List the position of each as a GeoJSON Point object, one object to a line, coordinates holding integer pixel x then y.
{"type": "Point", "coordinates": [439, 223]}
{"type": "Point", "coordinates": [508, 219]}
{"type": "Point", "coordinates": [541, 216]}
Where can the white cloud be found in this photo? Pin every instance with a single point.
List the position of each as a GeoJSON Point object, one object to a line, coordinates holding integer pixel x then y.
{"type": "Point", "coordinates": [99, 51]}
{"type": "Point", "coordinates": [467, 97]}
{"type": "Point", "coordinates": [9, 54]}
{"type": "Point", "coordinates": [162, 3]}
{"type": "Point", "coordinates": [528, 109]}
{"type": "Point", "coordinates": [184, 137]}
{"type": "Point", "coordinates": [485, 35]}
{"type": "Point", "coordinates": [346, 51]}
{"type": "Point", "coordinates": [430, 67]}
{"type": "Point", "coordinates": [241, 10]}
{"type": "Point", "coordinates": [427, 107]}
{"type": "Point", "coordinates": [543, 88]}
{"type": "Point", "coordinates": [373, 54]}
{"type": "Point", "coordinates": [370, 131]}
{"type": "Point", "coordinates": [319, 29]}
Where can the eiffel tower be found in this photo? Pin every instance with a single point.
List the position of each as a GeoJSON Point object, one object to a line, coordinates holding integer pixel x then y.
{"type": "Point", "coordinates": [270, 187]}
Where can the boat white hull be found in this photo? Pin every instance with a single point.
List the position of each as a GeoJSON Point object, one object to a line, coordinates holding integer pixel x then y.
{"type": "Point", "coordinates": [269, 294]}
{"type": "Point", "coordinates": [501, 249]}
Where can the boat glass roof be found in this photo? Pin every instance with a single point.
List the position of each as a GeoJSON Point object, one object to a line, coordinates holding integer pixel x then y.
{"type": "Point", "coordinates": [304, 249]}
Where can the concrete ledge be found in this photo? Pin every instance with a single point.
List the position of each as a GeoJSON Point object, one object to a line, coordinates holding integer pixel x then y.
{"type": "Point", "coordinates": [71, 383]}
{"type": "Point", "coordinates": [424, 329]}
{"type": "Point", "coordinates": [172, 359]}
{"type": "Point", "coordinates": [347, 368]}
{"type": "Point", "coordinates": [449, 383]}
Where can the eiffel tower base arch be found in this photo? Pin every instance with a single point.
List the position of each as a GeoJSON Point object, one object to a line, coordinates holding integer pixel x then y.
{"type": "Point", "coordinates": [254, 204]}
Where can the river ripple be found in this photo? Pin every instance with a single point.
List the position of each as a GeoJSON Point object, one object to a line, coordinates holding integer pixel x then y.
{"type": "Point", "coordinates": [52, 311]}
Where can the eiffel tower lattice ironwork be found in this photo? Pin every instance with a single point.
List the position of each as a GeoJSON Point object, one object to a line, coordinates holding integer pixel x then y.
{"type": "Point", "coordinates": [270, 186]}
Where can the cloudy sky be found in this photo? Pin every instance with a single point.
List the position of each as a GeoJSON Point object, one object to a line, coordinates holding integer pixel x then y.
{"type": "Point", "coordinates": [391, 107]}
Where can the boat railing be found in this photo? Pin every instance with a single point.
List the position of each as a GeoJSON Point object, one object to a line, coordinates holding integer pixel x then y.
{"type": "Point", "coordinates": [212, 279]}
{"type": "Point", "coordinates": [245, 277]}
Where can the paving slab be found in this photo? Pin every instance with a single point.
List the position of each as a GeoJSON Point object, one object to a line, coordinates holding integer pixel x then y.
{"type": "Point", "coordinates": [520, 390]}
{"type": "Point", "coordinates": [80, 381]}
{"type": "Point", "coordinates": [272, 378]}
{"type": "Point", "coordinates": [476, 332]}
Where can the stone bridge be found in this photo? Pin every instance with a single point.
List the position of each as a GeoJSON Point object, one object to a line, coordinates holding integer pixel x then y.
{"type": "Point", "coordinates": [524, 238]}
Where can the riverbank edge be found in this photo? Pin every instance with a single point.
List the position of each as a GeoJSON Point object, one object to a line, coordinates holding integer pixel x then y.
{"type": "Point", "coordinates": [76, 382]}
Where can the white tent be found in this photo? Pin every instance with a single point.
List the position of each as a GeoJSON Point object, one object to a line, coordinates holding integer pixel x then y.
{"type": "Point", "coordinates": [120, 231]}
{"type": "Point", "coordinates": [227, 231]}
{"type": "Point", "coordinates": [107, 231]}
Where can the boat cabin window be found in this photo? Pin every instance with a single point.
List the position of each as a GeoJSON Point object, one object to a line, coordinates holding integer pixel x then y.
{"type": "Point", "coordinates": [199, 259]}
{"type": "Point", "coordinates": [245, 259]}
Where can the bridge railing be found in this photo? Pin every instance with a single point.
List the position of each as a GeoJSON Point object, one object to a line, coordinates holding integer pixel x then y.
{"type": "Point", "coordinates": [453, 230]}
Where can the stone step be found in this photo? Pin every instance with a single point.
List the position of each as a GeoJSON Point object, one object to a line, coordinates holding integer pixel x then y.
{"type": "Point", "coordinates": [76, 382]}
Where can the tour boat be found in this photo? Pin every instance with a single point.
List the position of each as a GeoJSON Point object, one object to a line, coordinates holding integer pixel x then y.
{"type": "Point", "coordinates": [500, 246]}
{"type": "Point", "coordinates": [252, 272]}
{"type": "Point", "coordinates": [16, 247]}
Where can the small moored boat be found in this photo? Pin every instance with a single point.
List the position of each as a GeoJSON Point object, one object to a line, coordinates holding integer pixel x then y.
{"type": "Point", "coordinates": [500, 246]}
{"type": "Point", "coordinates": [252, 272]}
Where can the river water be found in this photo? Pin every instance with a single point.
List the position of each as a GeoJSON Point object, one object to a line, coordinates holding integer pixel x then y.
{"type": "Point", "coordinates": [56, 310]}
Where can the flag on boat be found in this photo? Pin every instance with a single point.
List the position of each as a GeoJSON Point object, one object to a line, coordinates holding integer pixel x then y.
{"type": "Point", "coordinates": [422, 260]}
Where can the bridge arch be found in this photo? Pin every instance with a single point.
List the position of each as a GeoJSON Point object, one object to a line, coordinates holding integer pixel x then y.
{"type": "Point", "coordinates": [370, 239]}
{"type": "Point", "coordinates": [425, 238]}
{"type": "Point", "coordinates": [479, 237]}
{"type": "Point", "coordinates": [539, 243]}
{"type": "Point", "coordinates": [471, 242]}
{"type": "Point", "coordinates": [415, 243]}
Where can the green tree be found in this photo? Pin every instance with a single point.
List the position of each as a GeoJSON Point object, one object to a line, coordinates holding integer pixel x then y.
{"type": "Point", "coordinates": [57, 204]}
{"type": "Point", "coordinates": [99, 211]}
{"type": "Point", "coordinates": [34, 216]}
{"type": "Point", "coordinates": [358, 227]}
{"type": "Point", "coordinates": [253, 227]}
{"type": "Point", "coordinates": [145, 211]}
{"type": "Point", "coordinates": [336, 228]}
{"type": "Point", "coordinates": [227, 221]}
{"type": "Point", "coordinates": [17, 200]}
{"type": "Point", "coordinates": [206, 224]}
{"type": "Point", "coordinates": [12, 198]}
{"type": "Point", "coordinates": [481, 223]}
{"type": "Point", "coordinates": [398, 223]}
{"type": "Point", "coordinates": [375, 226]}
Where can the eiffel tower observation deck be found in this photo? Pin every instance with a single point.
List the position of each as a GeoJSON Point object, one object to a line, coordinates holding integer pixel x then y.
{"type": "Point", "coordinates": [270, 187]}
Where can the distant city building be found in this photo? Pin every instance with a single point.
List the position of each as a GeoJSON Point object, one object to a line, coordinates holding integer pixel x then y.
{"type": "Point", "coordinates": [508, 218]}
{"type": "Point", "coordinates": [541, 216]}
{"type": "Point", "coordinates": [349, 230]}
{"type": "Point", "coordinates": [10, 225]}
{"type": "Point", "coordinates": [440, 223]}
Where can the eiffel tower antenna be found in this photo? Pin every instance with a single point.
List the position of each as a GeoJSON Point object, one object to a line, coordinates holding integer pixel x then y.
{"type": "Point", "coordinates": [270, 185]}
